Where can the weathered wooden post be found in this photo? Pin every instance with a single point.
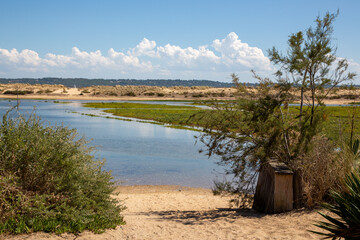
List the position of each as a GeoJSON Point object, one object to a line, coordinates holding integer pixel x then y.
{"type": "Point", "coordinates": [274, 189]}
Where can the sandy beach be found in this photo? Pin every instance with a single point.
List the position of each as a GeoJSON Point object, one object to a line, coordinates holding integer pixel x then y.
{"type": "Point", "coordinates": [174, 212]}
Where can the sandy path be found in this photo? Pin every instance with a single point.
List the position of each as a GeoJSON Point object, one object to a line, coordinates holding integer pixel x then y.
{"type": "Point", "coordinates": [172, 212]}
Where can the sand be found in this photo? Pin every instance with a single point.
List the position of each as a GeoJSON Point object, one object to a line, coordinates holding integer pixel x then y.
{"type": "Point", "coordinates": [59, 92]}
{"type": "Point", "coordinates": [173, 212]}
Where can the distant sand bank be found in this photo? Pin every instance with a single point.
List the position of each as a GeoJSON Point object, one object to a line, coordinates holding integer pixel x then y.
{"type": "Point", "coordinates": [173, 212]}
{"type": "Point", "coordinates": [144, 93]}
{"type": "Point", "coordinates": [126, 98]}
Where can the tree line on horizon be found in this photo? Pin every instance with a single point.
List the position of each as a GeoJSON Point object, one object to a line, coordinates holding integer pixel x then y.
{"type": "Point", "coordinates": [85, 82]}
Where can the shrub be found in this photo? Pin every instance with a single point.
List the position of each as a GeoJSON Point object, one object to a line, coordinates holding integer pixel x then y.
{"type": "Point", "coordinates": [160, 94]}
{"type": "Point", "coordinates": [112, 94]}
{"type": "Point", "coordinates": [130, 94]}
{"type": "Point", "coordinates": [50, 182]}
{"type": "Point", "coordinates": [149, 94]}
{"type": "Point", "coordinates": [323, 168]}
{"type": "Point", "coordinates": [18, 92]}
{"type": "Point", "coordinates": [196, 95]}
{"type": "Point", "coordinates": [347, 208]}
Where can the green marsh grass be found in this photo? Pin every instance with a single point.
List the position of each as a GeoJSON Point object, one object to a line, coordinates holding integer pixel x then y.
{"type": "Point", "coordinates": [338, 118]}
{"type": "Point", "coordinates": [178, 116]}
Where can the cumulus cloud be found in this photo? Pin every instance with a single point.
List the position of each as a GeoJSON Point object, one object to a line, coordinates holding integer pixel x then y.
{"type": "Point", "coordinates": [354, 66]}
{"type": "Point", "coordinates": [223, 56]}
{"type": "Point", "coordinates": [234, 52]}
{"type": "Point", "coordinates": [144, 48]}
{"type": "Point", "coordinates": [25, 57]}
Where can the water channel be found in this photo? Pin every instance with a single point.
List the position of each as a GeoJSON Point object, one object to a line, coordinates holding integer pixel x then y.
{"type": "Point", "coordinates": [135, 152]}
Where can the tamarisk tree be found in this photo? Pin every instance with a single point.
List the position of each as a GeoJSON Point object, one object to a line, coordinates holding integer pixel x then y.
{"type": "Point", "coordinates": [247, 133]}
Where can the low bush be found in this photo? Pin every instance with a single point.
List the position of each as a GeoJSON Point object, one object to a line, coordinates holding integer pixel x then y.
{"type": "Point", "coordinates": [323, 168]}
{"type": "Point", "coordinates": [111, 94]}
{"type": "Point", "coordinates": [196, 95]}
{"type": "Point", "coordinates": [18, 92]}
{"type": "Point", "coordinates": [130, 94]}
{"type": "Point", "coordinates": [49, 181]}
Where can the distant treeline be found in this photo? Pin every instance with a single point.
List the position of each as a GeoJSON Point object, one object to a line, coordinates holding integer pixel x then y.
{"type": "Point", "coordinates": [83, 82]}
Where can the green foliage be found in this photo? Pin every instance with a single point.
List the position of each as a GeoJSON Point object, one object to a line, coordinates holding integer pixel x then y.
{"type": "Point", "coordinates": [50, 182]}
{"type": "Point", "coordinates": [347, 209]}
{"type": "Point", "coordinates": [17, 92]}
{"type": "Point", "coordinates": [248, 133]}
{"type": "Point", "coordinates": [309, 61]}
{"type": "Point", "coordinates": [130, 94]}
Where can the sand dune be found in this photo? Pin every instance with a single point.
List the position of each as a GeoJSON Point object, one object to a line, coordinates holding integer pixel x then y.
{"type": "Point", "coordinates": [173, 212]}
{"type": "Point", "coordinates": [114, 93]}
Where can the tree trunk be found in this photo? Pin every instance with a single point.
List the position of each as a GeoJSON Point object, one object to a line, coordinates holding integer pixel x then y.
{"type": "Point", "coordinates": [312, 82]}
{"type": "Point", "coordinates": [302, 98]}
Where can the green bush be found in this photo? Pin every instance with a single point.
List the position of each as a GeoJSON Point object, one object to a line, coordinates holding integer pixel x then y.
{"type": "Point", "coordinates": [130, 94]}
{"type": "Point", "coordinates": [50, 182]}
{"type": "Point", "coordinates": [196, 95]}
{"type": "Point", "coordinates": [347, 208]}
{"type": "Point", "coordinates": [18, 92]}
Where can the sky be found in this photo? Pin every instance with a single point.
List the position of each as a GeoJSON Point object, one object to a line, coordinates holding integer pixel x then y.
{"type": "Point", "coordinates": [158, 39]}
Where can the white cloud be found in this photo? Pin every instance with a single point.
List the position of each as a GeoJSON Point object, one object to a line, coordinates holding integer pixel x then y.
{"type": "Point", "coordinates": [187, 57]}
{"type": "Point", "coordinates": [354, 66]}
{"type": "Point", "coordinates": [25, 57]}
{"type": "Point", "coordinates": [234, 52]}
{"type": "Point", "coordinates": [145, 60]}
{"type": "Point", "coordinates": [144, 48]}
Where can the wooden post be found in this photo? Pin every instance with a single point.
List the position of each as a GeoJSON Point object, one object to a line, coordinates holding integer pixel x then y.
{"type": "Point", "coordinates": [274, 189]}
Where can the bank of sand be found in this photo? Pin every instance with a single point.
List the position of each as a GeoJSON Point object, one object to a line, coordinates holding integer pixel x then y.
{"type": "Point", "coordinates": [74, 94]}
{"type": "Point", "coordinates": [173, 212]}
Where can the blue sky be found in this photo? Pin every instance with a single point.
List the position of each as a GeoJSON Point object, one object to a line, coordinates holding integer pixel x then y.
{"type": "Point", "coordinates": [160, 39]}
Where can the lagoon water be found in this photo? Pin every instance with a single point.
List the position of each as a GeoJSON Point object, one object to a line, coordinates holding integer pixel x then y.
{"type": "Point", "coordinates": [135, 152]}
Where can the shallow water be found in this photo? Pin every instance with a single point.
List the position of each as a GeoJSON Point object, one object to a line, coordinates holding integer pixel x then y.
{"type": "Point", "coordinates": [135, 152]}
